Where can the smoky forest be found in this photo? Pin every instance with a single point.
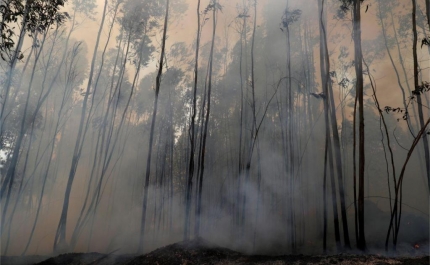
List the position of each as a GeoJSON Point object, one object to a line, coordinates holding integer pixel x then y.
{"type": "Point", "coordinates": [269, 127]}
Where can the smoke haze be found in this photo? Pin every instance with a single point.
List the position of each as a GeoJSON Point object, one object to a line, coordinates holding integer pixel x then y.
{"type": "Point", "coordinates": [79, 125]}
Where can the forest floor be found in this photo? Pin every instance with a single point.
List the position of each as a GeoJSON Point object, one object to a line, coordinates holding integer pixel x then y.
{"type": "Point", "coordinates": [201, 252]}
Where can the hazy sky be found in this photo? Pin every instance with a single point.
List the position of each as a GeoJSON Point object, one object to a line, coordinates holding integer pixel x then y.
{"type": "Point", "coordinates": [184, 30]}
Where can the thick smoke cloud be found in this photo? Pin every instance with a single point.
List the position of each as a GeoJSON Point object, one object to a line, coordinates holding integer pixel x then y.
{"type": "Point", "coordinates": [69, 112]}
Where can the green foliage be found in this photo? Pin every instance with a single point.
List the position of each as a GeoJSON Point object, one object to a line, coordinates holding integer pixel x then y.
{"type": "Point", "coordinates": [36, 16]}
{"type": "Point", "coordinates": [10, 11]}
{"type": "Point", "coordinates": [44, 13]}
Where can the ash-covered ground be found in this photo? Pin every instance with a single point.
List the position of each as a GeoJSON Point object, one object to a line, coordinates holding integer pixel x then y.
{"type": "Point", "coordinates": [199, 251]}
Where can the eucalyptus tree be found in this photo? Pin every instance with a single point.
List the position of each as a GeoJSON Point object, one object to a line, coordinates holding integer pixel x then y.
{"type": "Point", "coordinates": [50, 63]}
{"type": "Point", "coordinates": [331, 111]}
{"type": "Point", "coordinates": [60, 237]}
{"type": "Point", "coordinates": [396, 214]}
{"type": "Point", "coordinates": [37, 24]}
{"type": "Point", "coordinates": [192, 128]}
{"type": "Point", "coordinates": [73, 78]}
{"type": "Point", "coordinates": [42, 16]}
{"type": "Point", "coordinates": [27, 121]}
{"type": "Point", "coordinates": [325, 78]}
{"type": "Point", "coordinates": [359, 89]}
{"type": "Point", "coordinates": [214, 6]}
{"type": "Point", "coordinates": [417, 93]}
{"type": "Point", "coordinates": [243, 15]}
{"type": "Point", "coordinates": [29, 115]}
{"type": "Point", "coordinates": [37, 18]}
{"type": "Point", "coordinates": [289, 17]}
{"type": "Point", "coordinates": [255, 127]}
{"type": "Point", "coordinates": [355, 7]}
{"type": "Point", "coordinates": [137, 22]}
{"type": "Point", "coordinates": [151, 135]}
{"type": "Point", "coordinates": [34, 16]}
{"type": "Point", "coordinates": [236, 74]}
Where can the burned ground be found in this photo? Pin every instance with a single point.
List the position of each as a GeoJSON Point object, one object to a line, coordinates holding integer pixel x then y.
{"type": "Point", "coordinates": [200, 251]}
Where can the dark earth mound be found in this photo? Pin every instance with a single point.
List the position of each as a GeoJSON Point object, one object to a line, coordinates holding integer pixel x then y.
{"type": "Point", "coordinates": [200, 251]}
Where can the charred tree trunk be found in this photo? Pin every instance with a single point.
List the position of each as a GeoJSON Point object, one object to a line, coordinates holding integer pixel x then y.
{"type": "Point", "coordinates": [325, 78]}
{"type": "Point", "coordinates": [205, 130]}
{"type": "Point", "coordinates": [192, 134]}
{"type": "Point", "coordinates": [361, 154]}
{"type": "Point", "coordinates": [337, 151]}
{"type": "Point", "coordinates": [151, 136]}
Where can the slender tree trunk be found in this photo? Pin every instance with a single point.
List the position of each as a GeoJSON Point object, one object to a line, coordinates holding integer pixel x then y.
{"type": "Point", "coordinates": [151, 135]}
{"type": "Point", "coordinates": [361, 154]}
{"type": "Point", "coordinates": [252, 137]}
{"type": "Point", "coordinates": [205, 130]}
{"type": "Point", "coordinates": [11, 172]}
{"type": "Point", "coordinates": [399, 188]}
{"type": "Point", "coordinates": [60, 237]}
{"type": "Point", "coordinates": [393, 167]}
{"type": "Point", "coordinates": [192, 136]}
{"type": "Point", "coordinates": [325, 197]}
{"type": "Point", "coordinates": [289, 141]}
{"type": "Point", "coordinates": [332, 112]}
{"type": "Point", "coordinates": [354, 173]}
{"type": "Point", "coordinates": [416, 84]}
{"type": "Point", "coordinates": [328, 153]}
{"type": "Point", "coordinates": [67, 91]}
{"type": "Point", "coordinates": [239, 177]}
{"type": "Point", "coordinates": [12, 65]}
{"type": "Point", "coordinates": [332, 182]}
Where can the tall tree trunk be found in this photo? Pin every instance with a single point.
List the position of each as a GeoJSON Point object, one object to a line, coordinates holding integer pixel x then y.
{"type": "Point", "coordinates": [359, 88]}
{"type": "Point", "coordinates": [393, 167]}
{"type": "Point", "coordinates": [239, 177]}
{"type": "Point", "coordinates": [17, 152]}
{"type": "Point", "coordinates": [67, 91]}
{"type": "Point", "coordinates": [399, 189]}
{"type": "Point", "coordinates": [253, 134]}
{"type": "Point", "coordinates": [60, 237]}
{"type": "Point", "coordinates": [354, 166]}
{"type": "Point", "coordinates": [151, 135]}
{"type": "Point", "coordinates": [192, 135]}
{"type": "Point", "coordinates": [325, 79]}
{"type": "Point", "coordinates": [205, 130]}
{"type": "Point", "coordinates": [289, 142]}
{"type": "Point", "coordinates": [332, 112]}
